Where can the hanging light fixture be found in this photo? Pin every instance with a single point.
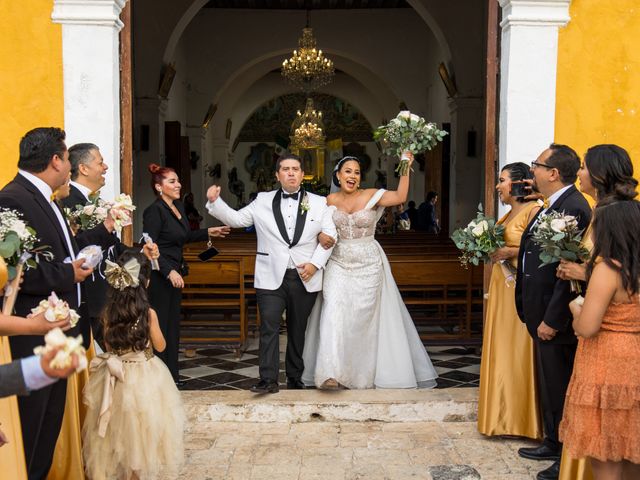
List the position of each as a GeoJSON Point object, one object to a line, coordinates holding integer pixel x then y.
{"type": "Point", "coordinates": [307, 130]}
{"type": "Point", "coordinates": [308, 69]}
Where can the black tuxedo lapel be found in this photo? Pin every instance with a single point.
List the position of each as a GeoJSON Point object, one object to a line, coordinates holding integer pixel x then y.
{"type": "Point", "coordinates": [557, 205]}
{"type": "Point", "coordinates": [300, 220]}
{"type": "Point", "coordinates": [277, 214]}
{"type": "Point", "coordinates": [182, 220]}
{"type": "Point", "coordinates": [47, 209]}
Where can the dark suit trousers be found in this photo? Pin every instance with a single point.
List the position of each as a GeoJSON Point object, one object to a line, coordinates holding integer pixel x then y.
{"type": "Point", "coordinates": [294, 298]}
{"type": "Point", "coordinates": [41, 415]}
{"type": "Point", "coordinates": [165, 300]}
{"type": "Point", "coordinates": [554, 362]}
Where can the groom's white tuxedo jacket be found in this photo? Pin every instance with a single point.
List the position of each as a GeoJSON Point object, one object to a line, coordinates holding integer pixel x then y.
{"type": "Point", "coordinates": [275, 247]}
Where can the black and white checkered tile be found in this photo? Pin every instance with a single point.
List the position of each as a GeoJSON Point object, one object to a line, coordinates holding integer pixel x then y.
{"type": "Point", "coordinates": [219, 369]}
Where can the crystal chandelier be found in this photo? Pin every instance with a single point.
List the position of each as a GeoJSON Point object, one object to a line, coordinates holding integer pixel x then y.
{"type": "Point", "coordinates": [307, 130]}
{"type": "Point", "coordinates": [308, 69]}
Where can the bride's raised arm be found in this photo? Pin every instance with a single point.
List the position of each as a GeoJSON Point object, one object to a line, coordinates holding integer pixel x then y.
{"type": "Point", "coordinates": [396, 197]}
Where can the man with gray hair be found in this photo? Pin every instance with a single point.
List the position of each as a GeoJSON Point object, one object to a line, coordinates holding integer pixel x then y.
{"type": "Point", "coordinates": [88, 170]}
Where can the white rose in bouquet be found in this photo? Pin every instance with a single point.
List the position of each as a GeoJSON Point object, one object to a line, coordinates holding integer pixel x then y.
{"type": "Point", "coordinates": [480, 228]}
{"type": "Point", "coordinates": [558, 225]}
{"type": "Point", "coordinates": [89, 209]}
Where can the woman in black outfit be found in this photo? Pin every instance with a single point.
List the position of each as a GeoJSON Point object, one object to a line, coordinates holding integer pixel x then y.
{"type": "Point", "coordinates": [165, 220]}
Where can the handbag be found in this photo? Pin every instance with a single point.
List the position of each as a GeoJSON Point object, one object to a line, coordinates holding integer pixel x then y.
{"type": "Point", "coordinates": [209, 253]}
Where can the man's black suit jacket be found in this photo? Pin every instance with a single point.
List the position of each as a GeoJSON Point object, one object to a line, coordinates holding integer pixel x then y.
{"type": "Point", "coordinates": [95, 285]}
{"type": "Point", "coordinates": [21, 195]}
{"type": "Point", "coordinates": [540, 294]}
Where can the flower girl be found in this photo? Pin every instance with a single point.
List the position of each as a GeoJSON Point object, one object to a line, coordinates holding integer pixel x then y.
{"type": "Point", "coordinates": [135, 419]}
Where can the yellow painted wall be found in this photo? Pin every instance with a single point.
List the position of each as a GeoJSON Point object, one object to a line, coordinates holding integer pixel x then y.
{"type": "Point", "coordinates": [31, 91]}
{"type": "Point", "coordinates": [598, 84]}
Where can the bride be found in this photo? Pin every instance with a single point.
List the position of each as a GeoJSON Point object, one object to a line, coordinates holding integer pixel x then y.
{"type": "Point", "coordinates": [360, 334]}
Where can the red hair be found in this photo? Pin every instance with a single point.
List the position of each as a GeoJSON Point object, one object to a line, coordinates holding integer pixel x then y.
{"type": "Point", "coordinates": [158, 174]}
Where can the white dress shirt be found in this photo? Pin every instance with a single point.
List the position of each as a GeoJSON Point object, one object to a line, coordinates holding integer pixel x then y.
{"type": "Point", "coordinates": [289, 209]}
{"type": "Point", "coordinates": [84, 190]}
{"type": "Point", "coordinates": [47, 193]}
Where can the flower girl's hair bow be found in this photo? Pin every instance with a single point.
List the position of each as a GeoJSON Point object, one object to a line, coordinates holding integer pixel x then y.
{"type": "Point", "coordinates": [121, 277]}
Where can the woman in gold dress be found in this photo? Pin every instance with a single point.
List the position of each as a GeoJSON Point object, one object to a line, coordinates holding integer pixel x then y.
{"type": "Point", "coordinates": [508, 403]}
{"type": "Point", "coordinates": [605, 171]}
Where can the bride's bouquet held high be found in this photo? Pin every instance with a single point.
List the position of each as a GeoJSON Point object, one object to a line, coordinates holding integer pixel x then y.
{"type": "Point", "coordinates": [478, 239]}
{"type": "Point", "coordinates": [407, 132]}
{"type": "Point", "coordinates": [559, 237]}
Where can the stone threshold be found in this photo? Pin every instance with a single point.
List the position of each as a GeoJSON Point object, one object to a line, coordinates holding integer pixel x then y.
{"type": "Point", "coordinates": [299, 406]}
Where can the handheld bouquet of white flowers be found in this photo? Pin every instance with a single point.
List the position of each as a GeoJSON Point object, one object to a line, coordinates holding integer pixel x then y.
{"type": "Point", "coordinates": [55, 310]}
{"type": "Point", "coordinates": [478, 239]}
{"type": "Point", "coordinates": [17, 247]}
{"type": "Point", "coordinates": [559, 237]}
{"type": "Point", "coordinates": [68, 346]}
{"type": "Point", "coordinates": [95, 212]}
{"type": "Point", "coordinates": [86, 217]}
{"type": "Point", "coordinates": [407, 132]}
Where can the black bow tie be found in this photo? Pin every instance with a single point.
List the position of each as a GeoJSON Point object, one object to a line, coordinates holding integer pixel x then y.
{"type": "Point", "coordinates": [290, 195]}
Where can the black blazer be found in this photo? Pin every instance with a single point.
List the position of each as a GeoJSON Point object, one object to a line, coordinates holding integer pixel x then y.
{"type": "Point", "coordinates": [170, 234]}
{"type": "Point", "coordinates": [540, 294]}
{"type": "Point", "coordinates": [95, 285]}
{"type": "Point", "coordinates": [21, 195]}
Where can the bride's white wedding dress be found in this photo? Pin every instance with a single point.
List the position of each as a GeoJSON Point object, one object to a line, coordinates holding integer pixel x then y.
{"type": "Point", "coordinates": [360, 332]}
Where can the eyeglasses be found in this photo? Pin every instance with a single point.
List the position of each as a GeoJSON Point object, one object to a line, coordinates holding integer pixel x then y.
{"type": "Point", "coordinates": [535, 165]}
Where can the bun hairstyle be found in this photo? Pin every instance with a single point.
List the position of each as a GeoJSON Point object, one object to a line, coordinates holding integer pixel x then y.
{"type": "Point", "coordinates": [338, 167]}
{"type": "Point", "coordinates": [158, 174]}
{"type": "Point", "coordinates": [518, 171]}
{"type": "Point", "coordinates": [611, 172]}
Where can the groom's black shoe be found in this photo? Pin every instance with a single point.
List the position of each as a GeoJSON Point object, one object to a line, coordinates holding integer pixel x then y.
{"type": "Point", "coordinates": [551, 473]}
{"type": "Point", "coordinates": [265, 386]}
{"type": "Point", "coordinates": [294, 384]}
{"type": "Point", "coordinates": [543, 452]}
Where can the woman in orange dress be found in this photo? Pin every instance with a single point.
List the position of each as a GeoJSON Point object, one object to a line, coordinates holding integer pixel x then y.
{"type": "Point", "coordinates": [601, 419]}
{"type": "Point", "coordinates": [507, 403]}
{"type": "Point", "coordinates": [606, 169]}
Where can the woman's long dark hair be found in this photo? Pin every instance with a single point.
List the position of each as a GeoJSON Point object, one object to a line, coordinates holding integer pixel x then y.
{"type": "Point", "coordinates": [611, 172]}
{"type": "Point", "coordinates": [518, 171]}
{"type": "Point", "coordinates": [616, 234]}
{"type": "Point", "coordinates": [125, 317]}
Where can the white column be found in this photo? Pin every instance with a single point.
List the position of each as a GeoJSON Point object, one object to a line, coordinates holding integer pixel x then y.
{"type": "Point", "coordinates": [528, 64]}
{"type": "Point", "coordinates": [91, 65]}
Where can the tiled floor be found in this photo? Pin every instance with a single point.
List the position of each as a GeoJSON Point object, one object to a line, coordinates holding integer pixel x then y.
{"type": "Point", "coordinates": [219, 369]}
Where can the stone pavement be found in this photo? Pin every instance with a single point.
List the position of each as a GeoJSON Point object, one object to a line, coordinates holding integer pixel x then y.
{"type": "Point", "coordinates": [329, 435]}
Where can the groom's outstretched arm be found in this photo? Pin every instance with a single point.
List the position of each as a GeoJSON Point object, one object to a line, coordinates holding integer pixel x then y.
{"type": "Point", "coordinates": [321, 255]}
{"type": "Point", "coordinates": [219, 209]}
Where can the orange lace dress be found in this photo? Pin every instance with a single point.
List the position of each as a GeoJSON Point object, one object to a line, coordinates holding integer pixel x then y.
{"type": "Point", "coordinates": [602, 409]}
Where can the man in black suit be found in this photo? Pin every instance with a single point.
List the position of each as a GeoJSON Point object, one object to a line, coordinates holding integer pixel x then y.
{"type": "Point", "coordinates": [542, 299]}
{"type": "Point", "coordinates": [43, 166]}
{"type": "Point", "coordinates": [88, 170]}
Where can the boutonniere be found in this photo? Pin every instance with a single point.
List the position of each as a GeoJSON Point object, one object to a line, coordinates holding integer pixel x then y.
{"type": "Point", "coordinates": [304, 204]}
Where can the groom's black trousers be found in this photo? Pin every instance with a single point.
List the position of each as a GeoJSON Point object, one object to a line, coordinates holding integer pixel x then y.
{"type": "Point", "coordinates": [294, 298]}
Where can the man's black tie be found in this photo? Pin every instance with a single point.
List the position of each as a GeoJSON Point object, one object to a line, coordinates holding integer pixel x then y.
{"type": "Point", "coordinates": [290, 195]}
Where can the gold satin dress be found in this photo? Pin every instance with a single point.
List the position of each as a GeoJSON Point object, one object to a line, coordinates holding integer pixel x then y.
{"type": "Point", "coordinates": [572, 468]}
{"type": "Point", "coordinates": [11, 454]}
{"type": "Point", "coordinates": [67, 458]}
{"type": "Point", "coordinates": [508, 401]}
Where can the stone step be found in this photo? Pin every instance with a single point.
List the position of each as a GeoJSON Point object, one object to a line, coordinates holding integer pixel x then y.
{"type": "Point", "coordinates": [299, 406]}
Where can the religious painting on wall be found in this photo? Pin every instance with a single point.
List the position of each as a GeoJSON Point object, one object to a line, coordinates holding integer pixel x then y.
{"type": "Point", "coordinates": [261, 163]}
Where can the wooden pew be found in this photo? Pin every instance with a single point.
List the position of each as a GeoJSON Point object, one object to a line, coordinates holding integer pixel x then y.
{"type": "Point", "coordinates": [214, 289]}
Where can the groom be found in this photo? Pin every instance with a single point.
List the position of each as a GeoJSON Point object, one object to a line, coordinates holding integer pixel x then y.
{"type": "Point", "coordinates": [289, 262]}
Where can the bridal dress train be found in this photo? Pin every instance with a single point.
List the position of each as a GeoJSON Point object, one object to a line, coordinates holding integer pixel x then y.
{"type": "Point", "coordinates": [360, 332]}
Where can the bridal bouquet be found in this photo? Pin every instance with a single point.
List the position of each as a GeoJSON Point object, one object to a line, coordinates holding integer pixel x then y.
{"type": "Point", "coordinates": [478, 239]}
{"type": "Point", "coordinates": [55, 310]}
{"type": "Point", "coordinates": [407, 132]}
{"type": "Point", "coordinates": [69, 346]}
{"type": "Point", "coordinates": [559, 237]}
{"type": "Point", "coordinates": [86, 217]}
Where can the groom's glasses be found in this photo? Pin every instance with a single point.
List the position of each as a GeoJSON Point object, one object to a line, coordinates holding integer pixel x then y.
{"type": "Point", "coordinates": [535, 165]}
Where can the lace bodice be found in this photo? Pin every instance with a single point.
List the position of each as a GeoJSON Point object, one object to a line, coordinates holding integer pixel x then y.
{"type": "Point", "coordinates": [355, 225]}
